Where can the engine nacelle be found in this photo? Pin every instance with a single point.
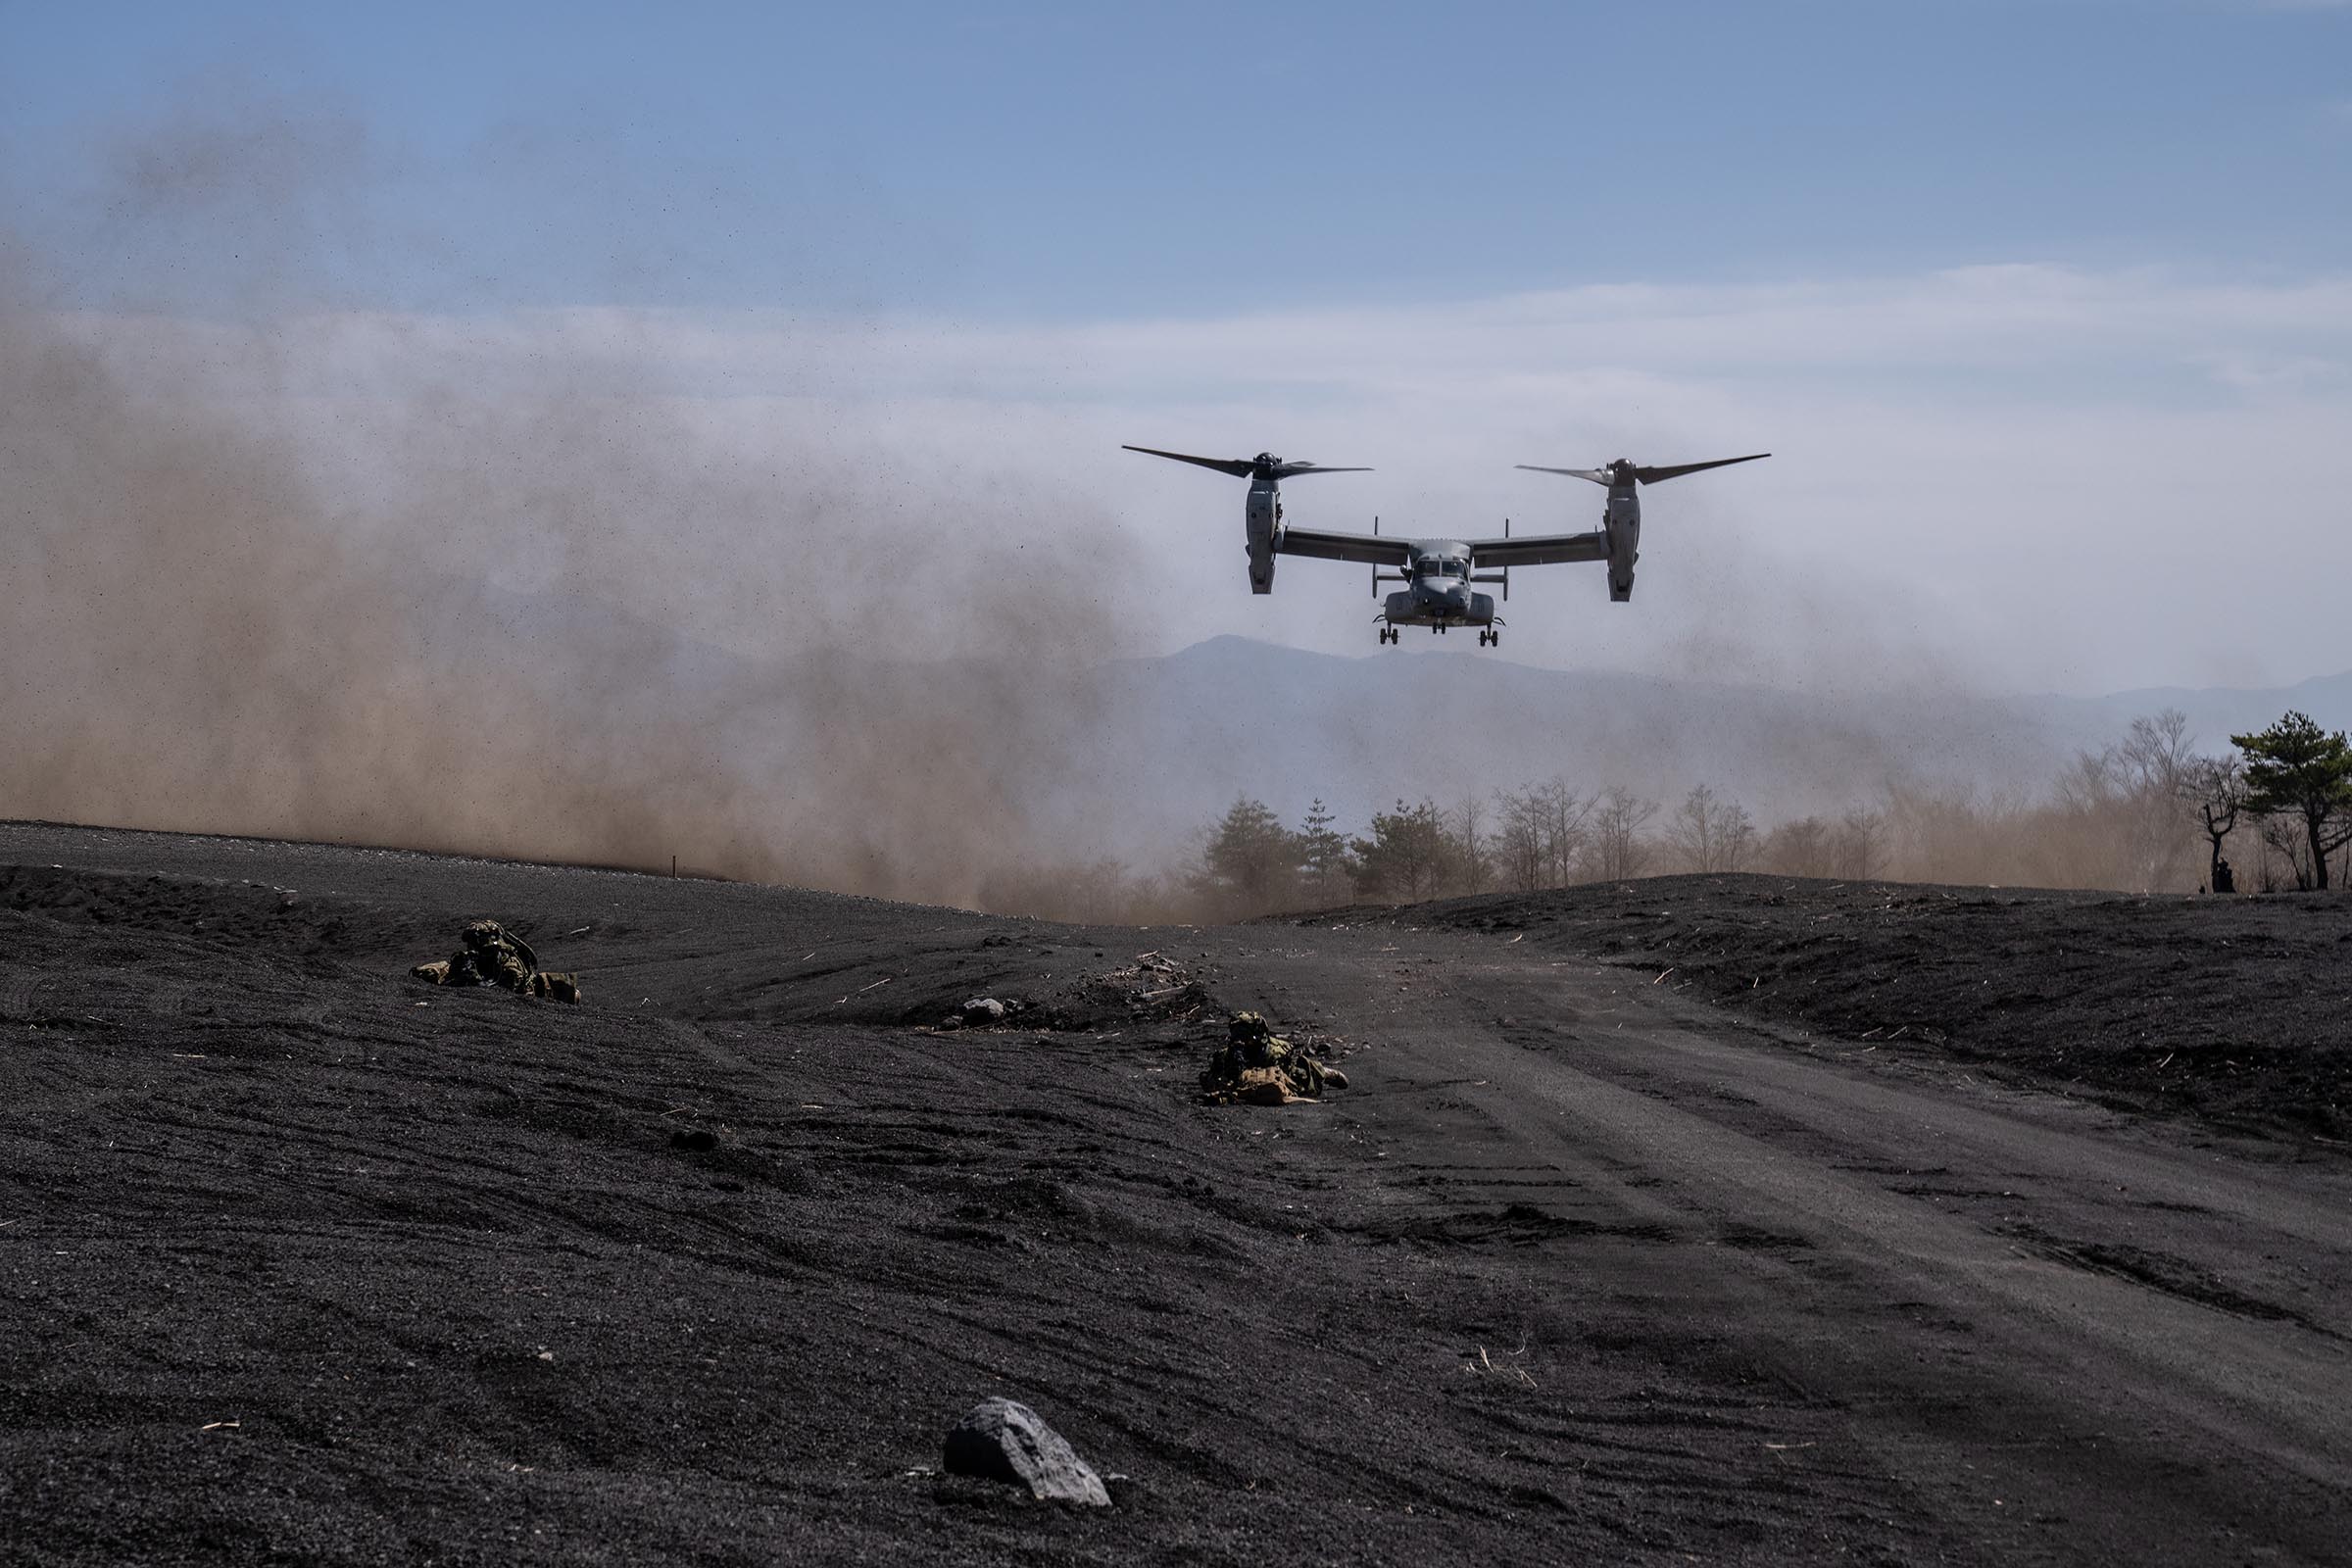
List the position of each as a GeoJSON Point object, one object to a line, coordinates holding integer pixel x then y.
{"type": "Point", "coordinates": [1265, 523]}
{"type": "Point", "coordinates": [1623, 520]}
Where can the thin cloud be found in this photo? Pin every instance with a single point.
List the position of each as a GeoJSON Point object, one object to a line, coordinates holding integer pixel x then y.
{"type": "Point", "coordinates": [2035, 476]}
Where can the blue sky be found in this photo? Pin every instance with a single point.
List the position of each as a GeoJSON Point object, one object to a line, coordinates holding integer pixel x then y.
{"type": "Point", "coordinates": [2044, 309]}
{"type": "Point", "coordinates": [1044, 161]}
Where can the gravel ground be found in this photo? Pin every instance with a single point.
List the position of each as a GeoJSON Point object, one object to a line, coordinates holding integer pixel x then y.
{"type": "Point", "coordinates": [2233, 1009]}
{"type": "Point", "coordinates": [304, 1261]}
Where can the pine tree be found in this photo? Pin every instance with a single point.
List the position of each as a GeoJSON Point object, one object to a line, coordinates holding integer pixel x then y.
{"type": "Point", "coordinates": [1322, 850]}
{"type": "Point", "coordinates": [1407, 853]}
{"type": "Point", "coordinates": [2296, 770]}
{"type": "Point", "coordinates": [1252, 858]}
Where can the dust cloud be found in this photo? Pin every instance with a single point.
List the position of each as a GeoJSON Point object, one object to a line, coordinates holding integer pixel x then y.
{"type": "Point", "coordinates": [502, 583]}
{"type": "Point", "coordinates": [291, 572]}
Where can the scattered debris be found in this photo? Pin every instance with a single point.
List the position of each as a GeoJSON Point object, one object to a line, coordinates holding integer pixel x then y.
{"type": "Point", "coordinates": [1153, 984]}
{"type": "Point", "coordinates": [1000, 1440]}
{"type": "Point", "coordinates": [1487, 1366]}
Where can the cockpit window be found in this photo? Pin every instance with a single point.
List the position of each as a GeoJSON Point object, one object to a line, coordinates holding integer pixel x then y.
{"type": "Point", "coordinates": [1439, 566]}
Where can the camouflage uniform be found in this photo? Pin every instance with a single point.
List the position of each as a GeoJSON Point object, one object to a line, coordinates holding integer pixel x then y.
{"type": "Point", "coordinates": [493, 955]}
{"type": "Point", "coordinates": [1260, 1067]}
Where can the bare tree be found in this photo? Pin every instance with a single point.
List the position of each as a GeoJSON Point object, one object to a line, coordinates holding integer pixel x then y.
{"type": "Point", "coordinates": [1538, 836]}
{"type": "Point", "coordinates": [1567, 826]}
{"type": "Point", "coordinates": [1735, 836]}
{"type": "Point", "coordinates": [1472, 864]}
{"type": "Point", "coordinates": [1098, 888]}
{"type": "Point", "coordinates": [2215, 787]}
{"type": "Point", "coordinates": [1616, 849]}
{"type": "Point", "coordinates": [1691, 832]}
{"type": "Point", "coordinates": [2157, 752]}
{"type": "Point", "coordinates": [2153, 762]}
{"type": "Point", "coordinates": [1800, 847]}
{"type": "Point", "coordinates": [1708, 833]}
{"type": "Point", "coordinates": [1858, 849]}
{"type": "Point", "coordinates": [1520, 862]}
{"type": "Point", "coordinates": [2119, 819]}
{"type": "Point", "coordinates": [2286, 853]}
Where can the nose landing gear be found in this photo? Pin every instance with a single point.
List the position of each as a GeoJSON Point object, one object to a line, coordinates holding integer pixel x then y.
{"type": "Point", "coordinates": [1492, 637]}
{"type": "Point", "coordinates": [1388, 634]}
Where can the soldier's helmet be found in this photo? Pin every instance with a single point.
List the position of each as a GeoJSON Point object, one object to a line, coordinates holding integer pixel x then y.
{"type": "Point", "coordinates": [484, 933]}
{"type": "Point", "coordinates": [1248, 1026]}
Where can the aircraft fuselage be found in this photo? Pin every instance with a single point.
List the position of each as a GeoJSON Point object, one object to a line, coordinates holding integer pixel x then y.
{"type": "Point", "coordinates": [1437, 591]}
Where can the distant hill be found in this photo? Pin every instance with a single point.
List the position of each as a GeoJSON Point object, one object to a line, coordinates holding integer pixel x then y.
{"type": "Point", "coordinates": [1132, 757]}
{"type": "Point", "coordinates": [2215, 713]}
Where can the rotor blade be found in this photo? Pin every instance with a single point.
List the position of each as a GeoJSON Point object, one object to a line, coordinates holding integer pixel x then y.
{"type": "Point", "coordinates": [1657, 475]}
{"type": "Point", "coordinates": [1238, 468]}
{"type": "Point", "coordinates": [1596, 476]}
{"type": "Point", "coordinates": [1293, 470]}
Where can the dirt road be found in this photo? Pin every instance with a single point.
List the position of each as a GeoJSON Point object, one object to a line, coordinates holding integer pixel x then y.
{"type": "Point", "coordinates": [302, 1263]}
{"type": "Point", "coordinates": [2094, 1336]}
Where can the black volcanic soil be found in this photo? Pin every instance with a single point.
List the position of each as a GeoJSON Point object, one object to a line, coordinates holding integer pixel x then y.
{"type": "Point", "coordinates": [302, 1261]}
{"type": "Point", "coordinates": [2237, 1010]}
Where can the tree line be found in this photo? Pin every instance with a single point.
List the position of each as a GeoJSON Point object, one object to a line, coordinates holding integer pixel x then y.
{"type": "Point", "coordinates": [1546, 834]}
{"type": "Point", "coordinates": [2147, 813]}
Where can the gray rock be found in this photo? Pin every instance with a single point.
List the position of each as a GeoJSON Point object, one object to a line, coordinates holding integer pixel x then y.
{"type": "Point", "coordinates": [1002, 1441]}
{"type": "Point", "coordinates": [984, 1010]}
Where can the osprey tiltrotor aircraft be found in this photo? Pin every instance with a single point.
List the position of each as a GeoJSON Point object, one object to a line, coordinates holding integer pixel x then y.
{"type": "Point", "coordinates": [1437, 572]}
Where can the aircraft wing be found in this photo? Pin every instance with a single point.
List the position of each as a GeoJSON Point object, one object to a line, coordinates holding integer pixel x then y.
{"type": "Point", "coordinates": [1539, 548]}
{"type": "Point", "coordinates": [1366, 549]}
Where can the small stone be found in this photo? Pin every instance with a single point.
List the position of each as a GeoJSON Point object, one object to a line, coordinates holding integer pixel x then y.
{"type": "Point", "coordinates": [1000, 1439]}
{"type": "Point", "coordinates": [984, 1010]}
